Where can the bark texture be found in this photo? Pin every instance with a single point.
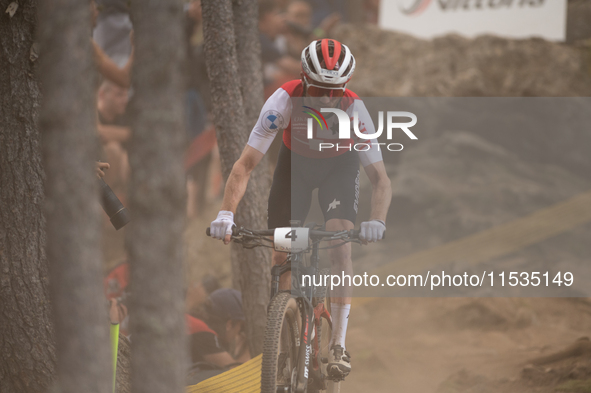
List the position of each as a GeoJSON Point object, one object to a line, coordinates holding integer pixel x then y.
{"type": "Point", "coordinates": [68, 127]}
{"type": "Point", "coordinates": [27, 350]}
{"type": "Point", "coordinates": [233, 125]}
{"type": "Point", "coordinates": [248, 50]}
{"type": "Point", "coordinates": [255, 269]}
{"type": "Point", "coordinates": [157, 200]}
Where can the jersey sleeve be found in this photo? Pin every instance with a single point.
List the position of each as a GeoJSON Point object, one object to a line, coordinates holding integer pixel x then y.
{"type": "Point", "coordinates": [274, 116]}
{"type": "Point", "coordinates": [366, 126]}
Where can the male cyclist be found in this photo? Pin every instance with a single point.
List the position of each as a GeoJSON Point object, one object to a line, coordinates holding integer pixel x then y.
{"type": "Point", "coordinates": [327, 66]}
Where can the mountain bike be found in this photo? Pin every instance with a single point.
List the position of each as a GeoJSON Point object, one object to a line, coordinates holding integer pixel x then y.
{"type": "Point", "coordinates": [299, 326]}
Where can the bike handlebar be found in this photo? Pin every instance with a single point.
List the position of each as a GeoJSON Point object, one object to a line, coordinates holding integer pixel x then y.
{"type": "Point", "coordinates": [236, 232]}
{"type": "Point", "coordinates": [353, 234]}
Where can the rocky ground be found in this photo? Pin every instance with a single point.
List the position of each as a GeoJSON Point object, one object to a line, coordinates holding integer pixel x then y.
{"type": "Point", "coordinates": [466, 345]}
{"type": "Point", "coordinates": [395, 64]}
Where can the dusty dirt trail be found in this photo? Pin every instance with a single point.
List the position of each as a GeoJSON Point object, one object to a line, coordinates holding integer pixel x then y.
{"type": "Point", "coordinates": [459, 344]}
{"type": "Point", "coordinates": [443, 345]}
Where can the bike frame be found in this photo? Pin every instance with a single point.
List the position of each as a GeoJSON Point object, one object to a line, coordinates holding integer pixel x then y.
{"type": "Point", "coordinates": [311, 315]}
{"type": "Point", "coordinates": [308, 363]}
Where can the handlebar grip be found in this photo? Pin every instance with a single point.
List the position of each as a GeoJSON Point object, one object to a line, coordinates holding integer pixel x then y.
{"type": "Point", "coordinates": [234, 231]}
{"type": "Point", "coordinates": [354, 234]}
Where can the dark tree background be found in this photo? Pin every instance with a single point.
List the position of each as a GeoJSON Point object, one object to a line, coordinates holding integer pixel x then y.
{"type": "Point", "coordinates": [232, 84]}
{"type": "Point", "coordinates": [68, 128]}
{"type": "Point", "coordinates": [27, 351]}
{"type": "Point", "coordinates": [27, 347]}
{"type": "Point", "coordinates": [157, 200]}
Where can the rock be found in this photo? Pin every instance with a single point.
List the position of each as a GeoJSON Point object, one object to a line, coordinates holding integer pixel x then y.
{"type": "Point", "coordinates": [578, 20]}
{"type": "Point", "coordinates": [396, 64]}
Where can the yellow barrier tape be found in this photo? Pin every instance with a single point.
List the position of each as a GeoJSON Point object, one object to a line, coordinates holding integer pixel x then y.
{"type": "Point", "coordinates": [245, 378]}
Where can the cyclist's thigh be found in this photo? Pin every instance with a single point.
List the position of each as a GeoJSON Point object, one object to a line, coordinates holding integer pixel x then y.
{"type": "Point", "coordinates": [290, 196]}
{"type": "Point", "coordinates": [338, 195]}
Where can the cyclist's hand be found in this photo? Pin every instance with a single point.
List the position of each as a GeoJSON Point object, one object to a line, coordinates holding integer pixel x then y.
{"type": "Point", "coordinates": [221, 227]}
{"type": "Point", "coordinates": [372, 231]}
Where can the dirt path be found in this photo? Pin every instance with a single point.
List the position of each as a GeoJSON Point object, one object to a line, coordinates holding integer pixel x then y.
{"type": "Point", "coordinates": [444, 345]}
{"type": "Point", "coordinates": [451, 344]}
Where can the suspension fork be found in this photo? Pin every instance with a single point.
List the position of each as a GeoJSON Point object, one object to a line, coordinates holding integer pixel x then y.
{"type": "Point", "coordinates": [304, 360]}
{"type": "Point", "coordinates": [276, 272]}
{"type": "Point", "coordinates": [305, 365]}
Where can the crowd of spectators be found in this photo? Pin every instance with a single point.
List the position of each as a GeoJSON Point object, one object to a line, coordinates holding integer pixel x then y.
{"type": "Point", "coordinates": [214, 322]}
{"type": "Point", "coordinates": [285, 27]}
{"type": "Point", "coordinates": [214, 317]}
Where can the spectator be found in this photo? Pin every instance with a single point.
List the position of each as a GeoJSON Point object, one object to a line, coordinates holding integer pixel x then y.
{"type": "Point", "coordinates": [106, 66]}
{"type": "Point", "coordinates": [299, 31]}
{"type": "Point", "coordinates": [324, 8]}
{"type": "Point", "coordinates": [197, 81]}
{"type": "Point", "coordinates": [300, 12]}
{"type": "Point", "coordinates": [111, 106]}
{"type": "Point", "coordinates": [372, 11]}
{"type": "Point", "coordinates": [277, 64]}
{"type": "Point", "coordinates": [100, 169]}
{"type": "Point", "coordinates": [110, 70]}
{"type": "Point", "coordinates": [219, 336]}
{"type": "Point", "coordinates": [112, 29]}
{"type": "Point", "coordinates": [116, 291]}
{"type": "Point", "coordinates": [197, 293]}
{"type": "Point", "coordinates": [114, 132]}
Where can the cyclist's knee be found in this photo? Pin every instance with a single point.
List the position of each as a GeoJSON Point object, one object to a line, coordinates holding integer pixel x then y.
{"type": "Point", "coordinates": [340, 255]}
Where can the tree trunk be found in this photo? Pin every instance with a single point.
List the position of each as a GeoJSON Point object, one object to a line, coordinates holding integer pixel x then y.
{"type": "Point", "coordinates": [255, 270]}
{"type": "Point", "coordinates": [232, 129]}
{"type": "Point", "coordinates": [68, 125]}
{"type": "Point", "coordinates": [27, 350]}
{"type": "Point", "coordinates": [248, 50]}
{"type": "Point", "coordinates": [157, 200]}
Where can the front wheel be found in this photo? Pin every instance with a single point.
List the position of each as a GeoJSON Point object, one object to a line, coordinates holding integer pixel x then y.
{"type": "Point", "coordinates": [280, 348]}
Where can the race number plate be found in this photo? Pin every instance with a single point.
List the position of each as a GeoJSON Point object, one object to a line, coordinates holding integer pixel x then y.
{"type": "Point", "coordinates": [291, 239]}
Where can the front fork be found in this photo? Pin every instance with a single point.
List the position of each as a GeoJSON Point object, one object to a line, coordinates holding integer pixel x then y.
{"type": "Point", "coordinates": [308, 358]}
{"type": "Point", "coordinates": [306, 364]}
{"type": "Point", "coordinates": [305, 350]}
{"type": "Point", "coordinates": [276, 272]}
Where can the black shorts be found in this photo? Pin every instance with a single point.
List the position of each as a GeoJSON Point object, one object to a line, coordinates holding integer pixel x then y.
{"type": "Point", "coordinates": [337, 180]}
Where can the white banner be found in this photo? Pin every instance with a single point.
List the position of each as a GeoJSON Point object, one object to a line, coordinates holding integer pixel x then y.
{"type": "Point", "coordinates": [470, 18]}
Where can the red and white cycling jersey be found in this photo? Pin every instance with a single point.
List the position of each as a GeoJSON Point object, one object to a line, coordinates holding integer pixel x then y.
{"type": "Point", "coordinates": [279, 113]}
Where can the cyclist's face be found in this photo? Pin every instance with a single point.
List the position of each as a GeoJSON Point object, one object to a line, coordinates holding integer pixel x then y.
{"type": "Point", "coordinates": [328, 95]}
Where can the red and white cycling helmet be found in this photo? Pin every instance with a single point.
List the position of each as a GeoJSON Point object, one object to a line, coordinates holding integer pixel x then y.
{"type": "Point", "coordinates": [328, 61]}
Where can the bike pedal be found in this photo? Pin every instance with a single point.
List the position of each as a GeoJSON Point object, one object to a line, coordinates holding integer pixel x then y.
{"type": "Point", "coordinates": [336, 378]}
